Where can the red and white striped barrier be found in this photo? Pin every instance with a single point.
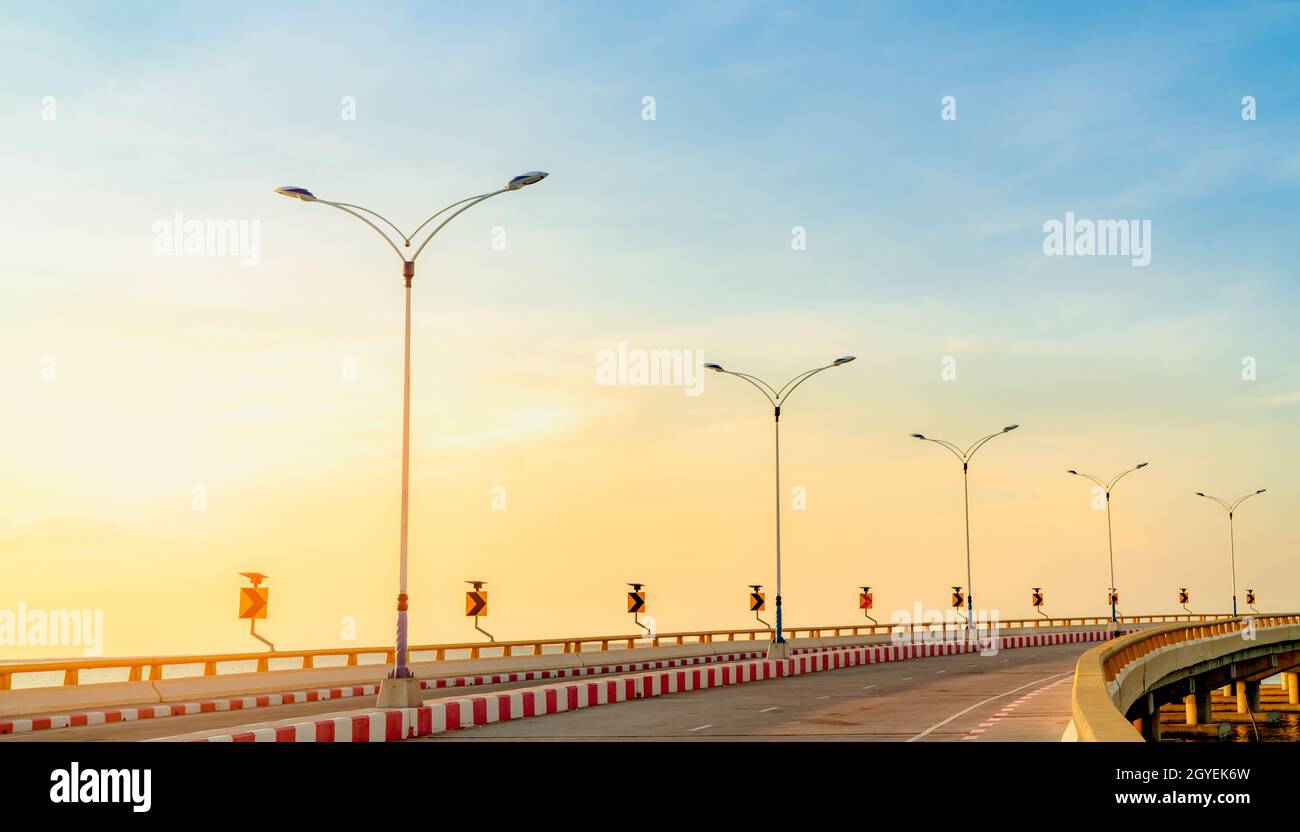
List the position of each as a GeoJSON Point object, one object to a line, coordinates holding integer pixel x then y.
{"type": "Point", "coordinates": [244, 703]}
{"type": "Point", "coordinates": [453, 715]}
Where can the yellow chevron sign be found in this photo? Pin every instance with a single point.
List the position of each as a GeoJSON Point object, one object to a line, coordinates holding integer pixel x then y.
{"type": "Point", "coordinates": [476, 603]}
{"type": "Point", "coordinates": [252, 601]}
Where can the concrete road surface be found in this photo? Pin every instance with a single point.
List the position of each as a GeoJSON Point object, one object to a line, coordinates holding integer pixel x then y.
{"type": "Point", "coordinates": [940, 698]}
{"type": "Point", "coordinates": [1021, 694]}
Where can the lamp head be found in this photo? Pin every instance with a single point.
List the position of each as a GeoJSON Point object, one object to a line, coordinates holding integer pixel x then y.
{"type": "Point", "coordinates": [918, 436]}
{"type": "Point", "coordinates": [1010, 427]}
{"type": "Point", "coordinates": [843, 359]}
{"type": "Point", "coordinates": [1200, 493]}
{"type": "Point", "coordinates": [296, 192]}
{"type": "Point", "coordinates": [717, 368]}
{"type": "Point", "coordinates": [529, 178]}
{"type": "Point", "coordinates": [1261, 491]}
{"type": "Point", "coordinates": [1072, 471]}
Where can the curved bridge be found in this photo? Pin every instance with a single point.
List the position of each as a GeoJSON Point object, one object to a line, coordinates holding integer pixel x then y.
{"type": "Point", "coordinates": [1120, 686]}
{"type": "Point", "coordinates": [923, 683]}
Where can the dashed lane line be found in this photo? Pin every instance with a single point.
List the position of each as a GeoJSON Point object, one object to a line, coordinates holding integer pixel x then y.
{"type": "Point", "coordinates": [983, 702]}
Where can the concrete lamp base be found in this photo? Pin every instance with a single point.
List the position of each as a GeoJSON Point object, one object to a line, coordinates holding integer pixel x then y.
{"type": "Point", "coordinates": [400, 693]}
{"type": "Point", "coordinates": [778, 650]}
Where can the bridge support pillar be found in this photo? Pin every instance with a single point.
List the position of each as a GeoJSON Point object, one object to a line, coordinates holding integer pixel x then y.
{"type": "Point", "coordinates": [1199, 706]}
{"type": "Point", "coordinates": [1248, 700]}
{"type": "Point", "coordinates": [1289, 681]}
{"type": "Point", "coordinates": [1149, 723]}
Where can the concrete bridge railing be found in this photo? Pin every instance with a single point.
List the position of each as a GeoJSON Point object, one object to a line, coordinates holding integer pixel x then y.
{"type": "Point", "coordinates": [158, 668]}
{"type": "Point", "coordinates": [1120, 686]}
{"type": "Point", "coordinates": [43, 687]}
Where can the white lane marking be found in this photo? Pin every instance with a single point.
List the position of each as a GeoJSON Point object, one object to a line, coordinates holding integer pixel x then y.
{"type": "Point", "coordinates": [869, 687]}
{"type": "Point", "coordinates": [702, 727]}
{"type": "Point", "coordinates": [1002, 714]}
{"type": "Point", "coordinates": [962, 713]}
{"type": "Point", "coordinates": [768, 710]}
{"type": "Point", "coordinates": [941, 671]}
{"type": "Point", "coordinates": [823, 697]}
{"type": "Point", "coordinates": [906, 678]}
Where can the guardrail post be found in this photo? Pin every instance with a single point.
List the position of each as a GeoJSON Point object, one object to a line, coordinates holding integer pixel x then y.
{"type": "Point", "coordinates": [70, 676]}
{"type": "Point", "coordinates": [262, 667]}
{"type": "Point", "coordinates": [5, 681]}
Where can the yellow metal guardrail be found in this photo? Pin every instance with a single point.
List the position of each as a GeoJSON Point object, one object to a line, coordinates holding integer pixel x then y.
{"type": "Point", "coordinates": [1097, 718]}
{"type": "Point", "coordinates": [151, 668]}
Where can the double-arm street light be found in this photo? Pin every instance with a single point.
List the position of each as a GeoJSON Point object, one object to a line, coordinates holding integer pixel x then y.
{"type": "Point", "coordinates": [401, 689]}
{"type": "Point", "coordinates": [965, 457]}
{"type": "Point", "coordinates": [778, 398]}
{"type": "Point", "coordinates": [1232, 545]}
{"type": "Point", "coordinates": [1110, 540]}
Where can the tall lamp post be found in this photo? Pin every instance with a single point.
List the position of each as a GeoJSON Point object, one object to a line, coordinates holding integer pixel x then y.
{"type": "Point", "coordinates": [401, 689]}
{"type": "Point", "coordinates": [778, 649]}
{"type": "Point", "coordinates": [1110, 539]}
{"type": "Point", "coordinates": [1232, 545]}
{"type": "Point", "coordinates": [965, 457]}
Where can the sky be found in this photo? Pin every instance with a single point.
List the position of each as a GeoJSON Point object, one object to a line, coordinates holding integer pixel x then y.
{"type": "Point", "coordinates": [765, 185]}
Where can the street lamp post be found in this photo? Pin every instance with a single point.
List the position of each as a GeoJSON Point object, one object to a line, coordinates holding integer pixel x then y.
{"type": "Point", "coordinates": [778, 649]}
{"type": "Point", "coordinates": [965, 457]}
{"type": "Point", "coordinates": [1110, 539]}
{"type": "Point", "coordinates": [401, 689]}
{"type": "Point", "coordinates": [1232, 545]}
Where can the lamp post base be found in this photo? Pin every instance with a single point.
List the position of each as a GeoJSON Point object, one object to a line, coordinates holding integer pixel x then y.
{"type": "Point", "coordinates": [400, 693]}
{"type": "Point", "coordinates": [778, 650]}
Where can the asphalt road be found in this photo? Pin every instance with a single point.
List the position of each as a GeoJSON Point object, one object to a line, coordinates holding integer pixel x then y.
{"type": "Point", "coordinates": [1021, 694]}
{"type": "Point", "coordinates": [932, 699]}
